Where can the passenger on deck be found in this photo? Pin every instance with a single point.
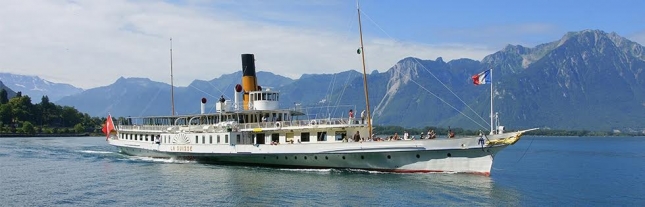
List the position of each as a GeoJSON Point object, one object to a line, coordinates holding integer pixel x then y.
{"type": "Point", "coordinates": [432, 134]}
{"type": "Point", "coordinates": [357, 137]}
{"type": "Point", "coordinates": [363, 117]}
{"type": "Point", "coordinates": [396, 136]}
{"type": "Point", "coordinates": [451, 134]}
{"type": "Point", "coordinates": [406, 136]}
{"type": "Point", "coordinates": [351, 116]}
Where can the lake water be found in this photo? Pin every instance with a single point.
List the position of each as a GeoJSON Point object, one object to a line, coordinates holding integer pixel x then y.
{"type": "Point", "coordinates": [537, 171]}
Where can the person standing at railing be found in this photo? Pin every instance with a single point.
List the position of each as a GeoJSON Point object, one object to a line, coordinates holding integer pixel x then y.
{"type": "Point", "coordinates": [363, 116]}
{"type": "Point", "coordinates": [351, 116]}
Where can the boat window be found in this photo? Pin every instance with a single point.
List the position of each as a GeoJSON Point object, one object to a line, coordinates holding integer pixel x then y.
{"type": "Point", "coordinates": [260, 138]}
{"type": "Point", "coordinates": [322, 136]}
{"type": "Point", "coordinates": [145, 136]}
{"type": "Point", "coordinates": [238, 139]}
{"type": "Point", "coordinates": [203, 139]}
{"type": "Point", "coordinates": [196, 139]}
{"type": "Point", "coordinates": [340, 135]}
{"type": "Point", "coordinates": [275, 137]}
{"type": "Point", "coordinates": [218, 139]}
{"type": "Point", "coordinates": [289, 137]}
{"type": "Point", "coordinates": [264, 96]}
{"type": "Point", "coordinates": [304, 137]}
{"type": "Point", "coordinates": [226, 138]}
{"type": "Point", "coordinates": [210, 139]}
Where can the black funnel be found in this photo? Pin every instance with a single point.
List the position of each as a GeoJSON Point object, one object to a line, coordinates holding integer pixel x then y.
{"type": "Point", "coordinates": [248, 65]}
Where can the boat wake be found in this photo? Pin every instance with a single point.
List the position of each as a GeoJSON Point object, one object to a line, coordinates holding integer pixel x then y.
{"type": "Point", "coordinates": [157, 160]}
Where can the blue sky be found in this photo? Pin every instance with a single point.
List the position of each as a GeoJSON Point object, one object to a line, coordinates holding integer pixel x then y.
{"type": "Point", "coordinates": [491, 23]}
{"type": "Point", "coordinates": [102, 40]}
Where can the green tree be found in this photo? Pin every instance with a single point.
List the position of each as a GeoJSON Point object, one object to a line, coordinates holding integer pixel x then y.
{"type": "Point", "coordinates": [28, 128]}
{"type": "Point", "coordinates": [6, 116]}
{"type": "Point", "coordinates": [21, 108]}
{"type": "Point", "coordinates": [70, 116]}
{"type": "Point", "coordinates": [4, 97]}
{"type": "Point", "coordinates": [79, 128]}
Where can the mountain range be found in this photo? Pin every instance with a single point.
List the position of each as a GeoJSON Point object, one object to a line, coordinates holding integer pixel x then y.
{"type": "Point", "coordinates": [36, 87]}
{"type": "Point", "coordinates": [586, 80]}
{"type": "Point", "coordinates": [10, 93]}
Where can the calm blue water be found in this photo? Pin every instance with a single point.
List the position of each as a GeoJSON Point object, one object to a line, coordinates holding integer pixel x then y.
{"type": "Point", "coordinates": [571, 171]}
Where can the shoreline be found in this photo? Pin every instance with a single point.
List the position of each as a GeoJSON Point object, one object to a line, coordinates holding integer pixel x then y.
{"type": "Point", "coordinates": [43, 135]}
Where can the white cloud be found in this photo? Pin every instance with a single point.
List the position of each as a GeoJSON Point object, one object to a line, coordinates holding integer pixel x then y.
{"type": "Point", "coordinates": [92, 43]}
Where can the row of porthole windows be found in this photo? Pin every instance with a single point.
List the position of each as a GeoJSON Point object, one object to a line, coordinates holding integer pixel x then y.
{"type": "Point", "coordinates": [166, 138]}
{"type": "Point", "coordinates": [137, 137]}
{"type": "Point", "coordinates": [343, 157]}
{"type": "Point", "coordinates": [210, 139]}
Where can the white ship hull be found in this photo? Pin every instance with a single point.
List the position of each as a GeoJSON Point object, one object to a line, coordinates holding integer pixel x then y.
{"type": "Point", "coordinates": [461, 155]}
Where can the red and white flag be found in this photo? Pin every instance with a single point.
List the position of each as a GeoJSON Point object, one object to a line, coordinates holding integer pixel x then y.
{"type": "Point", "coordinates": [108, 127]}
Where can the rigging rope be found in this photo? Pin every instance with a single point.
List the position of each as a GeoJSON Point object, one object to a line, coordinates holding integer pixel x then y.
{"type": "Point", "coordinates": [149, 102]}
{"type": "Point", "coordinates": [442, 100]}
{"type": "Point", "coordinates": [444, 85]}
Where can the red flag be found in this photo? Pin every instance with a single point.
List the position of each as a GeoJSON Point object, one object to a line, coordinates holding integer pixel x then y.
{"type": "Point", "coordinates": [108, 127]}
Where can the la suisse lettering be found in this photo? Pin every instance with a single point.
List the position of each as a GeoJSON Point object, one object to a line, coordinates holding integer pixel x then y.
{"type": "Point", "coordinates": [181, 148]}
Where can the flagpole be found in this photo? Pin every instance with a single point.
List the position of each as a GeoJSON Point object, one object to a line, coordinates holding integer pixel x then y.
{"type": "Point", "coordinates": [491, 100]}
{"type": "Point", "coordinates": [172, 87]}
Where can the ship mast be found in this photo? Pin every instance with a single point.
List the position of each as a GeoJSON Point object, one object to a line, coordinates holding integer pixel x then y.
{"type": "Point", "coordinates": [362, 50]}
{"type": "Point", "coordinates": [172, 87]}
{"type": "Point", "coordinates": [491, 101]}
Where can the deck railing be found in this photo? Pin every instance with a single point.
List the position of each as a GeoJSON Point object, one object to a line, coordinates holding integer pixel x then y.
{"type": "Point", "coordinates": [243, 126]}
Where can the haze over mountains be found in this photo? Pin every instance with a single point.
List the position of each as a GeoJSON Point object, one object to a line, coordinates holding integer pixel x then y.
{"type": "Point", "coordinates": [35, 87]}
{"type": "Point", "coordinates": [586, 80]}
